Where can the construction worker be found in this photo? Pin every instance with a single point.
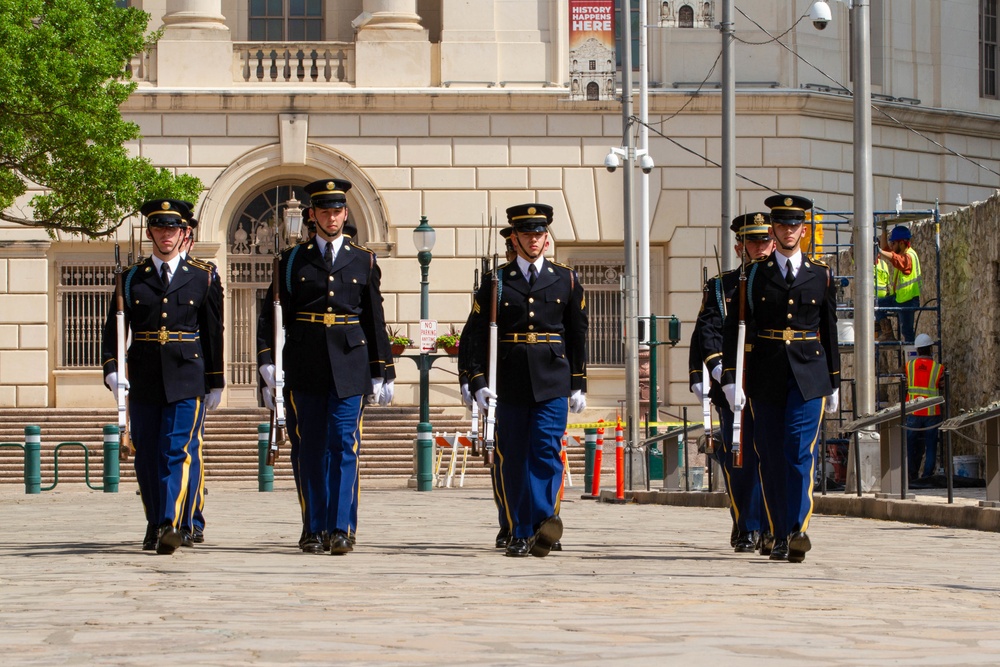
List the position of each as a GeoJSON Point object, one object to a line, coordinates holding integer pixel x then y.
{"type": "Point", "coordinates": [923, 380]}
{"type": "Point", "coordinates": [884, 298]}
{"type": "Point", "coordinates": [753, 242]}
{"type": "Point", "coordinates": [904, 277]}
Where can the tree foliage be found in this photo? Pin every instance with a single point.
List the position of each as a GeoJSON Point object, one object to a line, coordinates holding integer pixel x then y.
{"type": "Point", "coordinates": [63, 76]}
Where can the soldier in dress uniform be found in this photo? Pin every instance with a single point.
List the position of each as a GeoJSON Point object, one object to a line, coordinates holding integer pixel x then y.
{"type": "Point", "coordinates": [753, 242]}
{"type": "Point", "coordinates": [336, 352]}
{"type": "Point", "coordinates": [792, 371]}
{"type": "Point", "coordinates": [174, 308]}
{"type": "Point", "coordinates": [541, 371]}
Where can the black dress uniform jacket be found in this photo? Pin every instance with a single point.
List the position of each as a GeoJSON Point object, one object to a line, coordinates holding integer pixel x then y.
{"type": "Point", "coordinates": [343, 356]}
{"type": "Point", "coordinates": [807, 310]}
{"type": "Point", "coordinates": [187, 316]}
{"type": "Point", "coordinates": [539, 371]}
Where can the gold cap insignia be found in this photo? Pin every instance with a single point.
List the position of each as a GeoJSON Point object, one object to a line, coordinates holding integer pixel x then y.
{"type": "Point", "coordinates": [758, 219]}
{"type": "Point", "coordinates": [165, 206]}
{"type": "Point", "coordinates": [330, 186]}
{"type": "Point", "coordinates": [788, 201]}
{"type": "Point", "coordinates": [531, 210]}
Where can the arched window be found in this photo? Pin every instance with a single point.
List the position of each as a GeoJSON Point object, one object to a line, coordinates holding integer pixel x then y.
{"type": "Point", "coordinates": [685, 17]}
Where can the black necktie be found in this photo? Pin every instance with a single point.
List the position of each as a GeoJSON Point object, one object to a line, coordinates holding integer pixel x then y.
{"type": "Point", "coordinates": [789, 274]}
{"type": "Point", "coordinates": [532, 275]}
{"type": "Point", "coordinates": [328, 256]}
{"type": "Point", "coordinates": [165, 274]}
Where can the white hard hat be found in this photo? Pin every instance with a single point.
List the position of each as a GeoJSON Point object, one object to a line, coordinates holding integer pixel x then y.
{"type": "Point", "coordinates": [923, 340]}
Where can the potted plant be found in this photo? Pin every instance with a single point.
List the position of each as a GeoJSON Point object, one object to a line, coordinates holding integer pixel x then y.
{"type": "Point", "coordinates": [448, 341]}
{"type": "Point", "coordinates": [398, 341]}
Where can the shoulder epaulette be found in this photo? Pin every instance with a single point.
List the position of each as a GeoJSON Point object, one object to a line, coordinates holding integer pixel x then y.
{"type": "Point", "coordinates": [819, 262]}
{"type": "Point", "coordinates": [361, 247]}
{"type": "Point", "coordinates": [202, 264]}
{"type": "Point", "coordinates": [570, 268]}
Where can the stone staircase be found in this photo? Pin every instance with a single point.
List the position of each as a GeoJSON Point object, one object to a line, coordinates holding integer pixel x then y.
{"type": "Point", "coordinates": [230, 444]}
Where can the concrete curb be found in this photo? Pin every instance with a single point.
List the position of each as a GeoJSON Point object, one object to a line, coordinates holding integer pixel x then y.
{"type": "Point", "coordinates": [966, 516]}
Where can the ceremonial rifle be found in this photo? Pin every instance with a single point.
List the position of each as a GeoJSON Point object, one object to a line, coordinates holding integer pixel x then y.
{"type": "Point", "coordinates": [278, 414]}
{"type": "Point", "coordinates": [706, 385]}
{"type": "Point", "coordinates": [489, 443]}
{"type": "Point", "coordinates": [741, 338]}
{"type": "Point", "coordinates": [475, 404]}
{"type": "Point", "coordinates": [125, 441]}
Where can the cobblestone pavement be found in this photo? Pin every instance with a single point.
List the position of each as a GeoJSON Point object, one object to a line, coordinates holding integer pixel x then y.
{"type": "Point", "coordinates": [636, 584]}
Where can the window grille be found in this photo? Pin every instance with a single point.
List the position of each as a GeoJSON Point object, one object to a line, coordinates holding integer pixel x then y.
{"type": "Point", "coordinates": [988, 49]}
{"type": "Point", "coordinates": [286, 20]}
{"type": "Point", "coordinates": [602, 281]}
{"type": "Point", "coordinates": [83, 298]}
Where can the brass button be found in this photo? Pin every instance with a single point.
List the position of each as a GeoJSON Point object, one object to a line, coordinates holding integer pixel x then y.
{"type": "Point", "coordinates": [531, 326]}
{"type": "Point", "coordinates": [331, 293]}
{"type": "Point", "coordinates": [331, 279]}
{"type": "Point", "coordinates": [531, 299]}
{"type": "Point", "coordinates": [164, 300]}
{"type": "Point", "coordinates": [531, 314]}
{"type": "Point", "coordinates": [163, 315]}
{"type": "Point", "coordinates": [196, 355]}
{"type": "Point", "coordinates": [788, 342]}
{"type": "Point", "coordinates": [329, 309]}
{"type": "Point", "coordinates": [790, 302]}
{"type": "Point", "coordinates": [789, 316]}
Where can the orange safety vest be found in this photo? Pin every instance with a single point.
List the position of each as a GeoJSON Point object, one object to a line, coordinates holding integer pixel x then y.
{"type": "Point", "coordinates": [923, 377]}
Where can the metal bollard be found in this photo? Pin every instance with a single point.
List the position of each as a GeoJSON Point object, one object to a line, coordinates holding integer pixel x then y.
{"type": "Point", "coordinates": [32, 459]}
{"type": "Point", "coordinates": [265, 473]}
{"type": "Point", "coordinates": [112, 474]}
{"type": "Point", "coordinates": [589, 448]}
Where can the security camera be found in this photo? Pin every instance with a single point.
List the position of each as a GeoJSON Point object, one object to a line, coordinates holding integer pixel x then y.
{"type": "Point", "coordinates": [611, 162]}
{"type": "Point", "coordinates": [820, 15]}
{"type": "Point", "coordinates": [646, 164]}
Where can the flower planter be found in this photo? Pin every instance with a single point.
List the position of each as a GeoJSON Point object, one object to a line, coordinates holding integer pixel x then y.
{"type": "Point", "coordinates": [398, 349]}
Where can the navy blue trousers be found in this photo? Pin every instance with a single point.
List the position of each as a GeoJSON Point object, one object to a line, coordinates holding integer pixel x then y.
{"type": "Point", "coordinates": [167, 442]}
{"type": "Point", "coordinates": [328, 430]}
{"type": "Point", "coordinates": [529, 451]}
{"type": "Point", "coordinates": [742, 484]}
{"type": "Point", "coordinates": [785, 437]}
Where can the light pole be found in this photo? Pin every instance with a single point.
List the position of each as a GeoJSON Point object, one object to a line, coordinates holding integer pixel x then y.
{"type": "Point", "coordinates": [423, 239]}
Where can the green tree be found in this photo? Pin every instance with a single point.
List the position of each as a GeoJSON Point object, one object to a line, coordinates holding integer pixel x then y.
{"type": "Point", "coordinates": [63, 77]}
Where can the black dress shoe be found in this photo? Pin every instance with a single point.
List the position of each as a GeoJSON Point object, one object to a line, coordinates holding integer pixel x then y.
{"type": "Point", "coordinates": [340, 544]}
{"type": "Point", "coordinates": [798, 545]}
{"type": "Point", "coordinates": [548, 533]}
{"type": "Point", "coordinates": [734, 535]}
{"type": "Point", "coordinates": [503, 537]}
{"type": "Point", "coordinates": [766, 544]}
{"type": "Point", "coordinates": [353, 538]}
{"type": "Point", "coordinates": [149, 541]}
{"type": "Point", "coordinates": [746, 542]}
{"type": "Point", "coordinates": [312, 544]}
{"type": "Point", "coordinates": [187, 539]}
{"type": "Point", "coordinates": [780, 550]}
{"type": "Point", "coordinates": [519, 547]}
{"type": "Point", "coordinates": [325, 539]}
{"type": "Point", "coordinates": [168, 540]}
{"type": "Point", "coordinates": [198, 536]}
{"type": "Point", "coordinates": [556, 546]}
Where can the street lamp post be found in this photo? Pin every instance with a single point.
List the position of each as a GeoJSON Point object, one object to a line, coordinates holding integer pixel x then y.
{"type": "Point", "coordinates": [423, 239]}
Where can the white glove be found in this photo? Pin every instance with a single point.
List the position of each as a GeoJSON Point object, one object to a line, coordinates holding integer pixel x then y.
{"type": "Point", "coordinates": [268, 395]}
{"type": "Point", "coordinates": [376, 395]}
{"type": "Point", "coordinates": [717, 373]}
{"type": "Point", "coordinates": [111, 381]}
{"type": "Point", "coordinates": [730, 391]}
{"type": "Point", "coordinates": [267, 373]}
{"type": "Point", "coordinates": [483, 397]}
{"type": "Point", "coordinates": [213, 399]}
{"type": "Point", "coordinates": [832, 402]}
{"type": "Point", "coordinates": [466, 394]}
{"type": "Point", "coordinates": [577, 401]}
{"type": "Point", "coordinates": [388, 390]}
{"type": "Point", "coordinates": [696, 388]}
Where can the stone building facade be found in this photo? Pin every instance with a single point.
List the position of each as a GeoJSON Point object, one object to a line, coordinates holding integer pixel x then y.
{"type": "Point", "coordinates": [456, 110]}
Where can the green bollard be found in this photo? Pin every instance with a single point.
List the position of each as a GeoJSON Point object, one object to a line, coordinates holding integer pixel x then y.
{"type": "Point", "coordinates": [589, 451]}
{"type": "Point", "coordinates": [265, 473]}
{"type": "Point", "coordinates": [111, 470]}
{"type": "Point", "coordinates": [32, 459]}
{"type": "Point", "coordinates": [425, 455]}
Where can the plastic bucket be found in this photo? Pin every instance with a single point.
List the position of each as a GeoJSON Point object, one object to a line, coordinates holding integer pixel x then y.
{"type": "Point", "coordinates": [966, 466]}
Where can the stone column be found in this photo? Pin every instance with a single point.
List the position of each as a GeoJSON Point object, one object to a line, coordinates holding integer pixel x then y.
{"type": "Point", "coordinates": [196, 49]}
{"type": "Point", "coordinates": [469, 49]}
{"type": "Point", "coordinates": [389, 31]}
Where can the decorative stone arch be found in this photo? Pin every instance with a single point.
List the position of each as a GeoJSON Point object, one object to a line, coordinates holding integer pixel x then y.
{"type": "Point", "coordinates": [248, 173]}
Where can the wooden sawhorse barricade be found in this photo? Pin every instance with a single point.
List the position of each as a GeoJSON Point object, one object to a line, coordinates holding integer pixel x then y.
{"type": "Point", "coordinates": [892, 442]}
{"type": "Point", "coordinates": [991, 416]}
